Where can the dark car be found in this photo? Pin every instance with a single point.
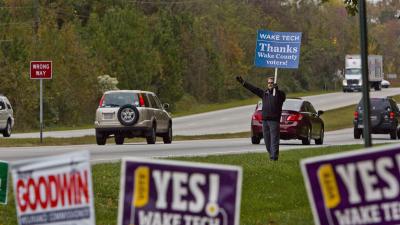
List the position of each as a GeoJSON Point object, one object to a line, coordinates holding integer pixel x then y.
{"type": "Point", "coordinates": [299, 120]}
{"type": "Point", "coordinates": [384, 115]}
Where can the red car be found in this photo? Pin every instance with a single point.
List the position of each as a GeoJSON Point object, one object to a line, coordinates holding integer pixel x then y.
{"type": "Point", "coordinates": [299, 120]}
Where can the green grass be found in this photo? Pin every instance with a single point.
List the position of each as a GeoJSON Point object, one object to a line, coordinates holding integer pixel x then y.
{"type": "Point", "coordinates": [201, 108]}
{"type": "Point", "coordinates": [30, 142]}
{"type": "Point", "coordinates": [339, 118]}
{"type": "Point", "coordinates": [396, 98]}
{"type": "Point", "coordinates": [272, 192]}
{"type": "Point", "coordinates": [55, 128]}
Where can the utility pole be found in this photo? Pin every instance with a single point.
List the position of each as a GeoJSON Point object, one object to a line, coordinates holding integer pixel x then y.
{"type": "Point", "coordinates": [36, 42]}
{"type": "Point", "coordinates": [364, 69]}
{"type": "Point", "coordinates": [36, 15]}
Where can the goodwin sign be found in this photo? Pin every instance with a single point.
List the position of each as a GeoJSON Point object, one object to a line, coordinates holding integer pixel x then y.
{"type": "Point", "coordinates": [54, 190]}
{"type": "Point", "coordinates": [179, 193]}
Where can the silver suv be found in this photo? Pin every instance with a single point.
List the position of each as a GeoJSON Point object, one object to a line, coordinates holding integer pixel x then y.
{"type": "Point", "coordinates": [6, 116]}
{"type": "Point", "coordinates": [132, 113]}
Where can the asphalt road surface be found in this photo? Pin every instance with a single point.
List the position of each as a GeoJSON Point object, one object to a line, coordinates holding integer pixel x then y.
{"type": "Point", "coordinates": [112, 152]}
{"type": "Point", "coordinates": [231, 120]}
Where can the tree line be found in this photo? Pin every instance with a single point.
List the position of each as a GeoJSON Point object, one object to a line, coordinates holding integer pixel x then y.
{"type": "Point", "coordinates": [187, 52]}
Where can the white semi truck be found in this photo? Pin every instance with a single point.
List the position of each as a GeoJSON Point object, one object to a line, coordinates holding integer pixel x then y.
{"type": "Point", "coordinates": [352, 75]}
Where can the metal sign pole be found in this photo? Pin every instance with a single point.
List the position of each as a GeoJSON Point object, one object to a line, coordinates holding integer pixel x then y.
{"type": "Point", "coordinates": [41, 111]}
{"type": "Point", "coordinates": [275, 79]}
{"type": "Point", "coordinates": [364, 69]}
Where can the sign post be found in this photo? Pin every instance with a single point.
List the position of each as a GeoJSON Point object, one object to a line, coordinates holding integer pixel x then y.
{"type": "Point", "coordinates": [3, 182]}
{"type": "Point", "coordinates": [41, 70]}
{"type": "Point", "coordinates": [277, 50]}
{"type": "Point", "coordinates": [180, 193]}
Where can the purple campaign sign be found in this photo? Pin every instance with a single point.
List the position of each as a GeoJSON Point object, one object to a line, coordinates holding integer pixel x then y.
{"type": "Point", "coordinates": [359, 187]}
{"type": "Point", "coordinates": [178, 193]}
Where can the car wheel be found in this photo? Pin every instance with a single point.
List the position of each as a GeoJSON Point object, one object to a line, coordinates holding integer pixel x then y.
{"type": "Point", "coordinates": [7, 131]}
{"type": "Point", "coordinates": [357, 133]}
{"type": "Point", "coordinates": [119, 139]}
{"type": "Point", "coordinates": [128, 115]}
{"type": "Point", "coordinates": [101, 138]}
{"type": "Point", "coordinates": [307, 140]}
{"type": "Point", "coordinates": [393, 134]}
{"type": "Point", "coordinates": [320, 141]}
{"type": "Point", "coordinates": [255, 140]}
{"type": "Point", "coordinates": [151, 139]}
{"type": "Point", "coordinates": [167, 138]}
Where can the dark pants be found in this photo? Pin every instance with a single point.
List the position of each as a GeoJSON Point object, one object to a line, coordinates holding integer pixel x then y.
{"type": "Point", "coordinates": [271, 137]}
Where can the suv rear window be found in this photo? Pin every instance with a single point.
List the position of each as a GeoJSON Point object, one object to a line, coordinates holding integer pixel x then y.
{"type": "Point", "coordinates": [376, 104]}
{"type": "Point", "coordinates": [118, 99]}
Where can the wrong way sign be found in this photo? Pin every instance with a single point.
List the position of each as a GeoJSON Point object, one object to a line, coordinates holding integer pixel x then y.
{"type": "Point", "coordinates": [41, 70]}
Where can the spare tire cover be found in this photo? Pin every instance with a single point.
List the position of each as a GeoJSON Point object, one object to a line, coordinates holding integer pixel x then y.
{"type": "Point", "coordinates": [128, 115]}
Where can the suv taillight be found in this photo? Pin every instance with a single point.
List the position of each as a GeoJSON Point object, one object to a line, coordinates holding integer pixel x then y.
{"type": "Point", "coordinates": [356, 115]}
{"type": "Point", "coordinates": [391, 115]}
{"type": "Point", "coordinates": [101, 101]}
{"type": "Point", "coordinates": [294, 117]}
{"type": "Point", "coordinates": [141, 101]}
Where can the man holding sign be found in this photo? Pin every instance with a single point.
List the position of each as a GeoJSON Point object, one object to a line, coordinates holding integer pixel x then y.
{"type": "Point", "coordinates": [271, 113]}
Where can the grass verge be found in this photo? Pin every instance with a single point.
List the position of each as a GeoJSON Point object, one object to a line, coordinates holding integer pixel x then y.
{"type": "Point", "coordinates": [30, 142]}
{"type": "Point", "coordinates": [201, 108]}
{"type": "Point", "coordinates": [198, 108]}
{"type": "Point", "coordinates": [339, 118]}
{"type": "Point", "coordinates": [272, 192]}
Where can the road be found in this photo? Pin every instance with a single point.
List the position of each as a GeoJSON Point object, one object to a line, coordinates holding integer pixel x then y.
{"type": "Point", "coordinates": [111, 152]}
{"type": "Point", "coordinates": [230, 120]}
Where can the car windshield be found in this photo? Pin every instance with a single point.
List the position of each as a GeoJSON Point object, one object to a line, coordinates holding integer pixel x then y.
{"type": "Point", "coordinates": [353, 71]}
{"type": "Point", "coordinates": [118, 99]}
{"type": "Point", "coordinates": [289, 104]}
{"type": "Point", "coordinates": [376, 104]}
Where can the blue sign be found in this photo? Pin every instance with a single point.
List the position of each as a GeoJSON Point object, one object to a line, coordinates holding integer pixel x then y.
{"type": "Point", "coordinates": [278, 49]}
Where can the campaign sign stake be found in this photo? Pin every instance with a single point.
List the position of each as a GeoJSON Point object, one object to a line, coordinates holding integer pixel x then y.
{"type": "Point", "coordinates": [181, 193]}
{"type": "Point", "coordinates": [54, 190]}
{"type": "Point", "coordinates": [360, 187]}
{"type": "Point", "coordinates": [3, 182]}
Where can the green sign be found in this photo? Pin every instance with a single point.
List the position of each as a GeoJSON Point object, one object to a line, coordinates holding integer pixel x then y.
{"type": "Point", "coordinates": [3, 182]}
